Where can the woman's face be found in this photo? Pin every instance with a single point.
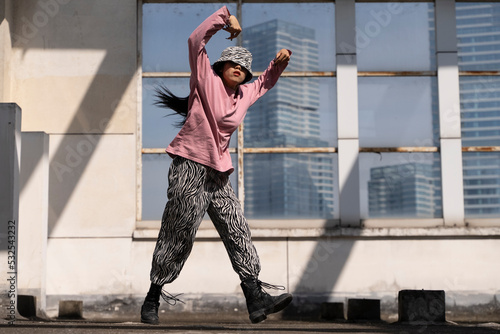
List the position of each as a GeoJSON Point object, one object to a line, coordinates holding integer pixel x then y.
{"type": "Point", "coordinates": [233, 74]}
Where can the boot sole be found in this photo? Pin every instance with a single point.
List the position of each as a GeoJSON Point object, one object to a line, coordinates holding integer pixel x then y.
{"type": "Point", "coordinates": [151, 322]}
{"type": "Point", "coordinates": [261, 315]}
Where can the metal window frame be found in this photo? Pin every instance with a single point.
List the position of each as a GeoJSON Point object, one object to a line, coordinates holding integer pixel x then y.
{"type": "Point", "coordinates": [241, 150]}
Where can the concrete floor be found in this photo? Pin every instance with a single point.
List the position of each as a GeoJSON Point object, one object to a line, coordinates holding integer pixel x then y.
{"type": "Point", "coordinates": [212, 324]}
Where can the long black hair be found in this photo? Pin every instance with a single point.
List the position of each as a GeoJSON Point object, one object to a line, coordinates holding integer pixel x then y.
{"type": "Point", "coordinates": [166, 99]}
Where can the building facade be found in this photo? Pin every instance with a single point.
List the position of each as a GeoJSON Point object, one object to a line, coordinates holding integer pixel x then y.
{"type": "Point", "coordinates": [80, 71]}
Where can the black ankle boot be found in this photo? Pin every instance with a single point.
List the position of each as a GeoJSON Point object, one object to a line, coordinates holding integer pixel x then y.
{"type": "Point", "coordinates": [259, 302]}
{"type": "Point", "coordinates": [149, 309]}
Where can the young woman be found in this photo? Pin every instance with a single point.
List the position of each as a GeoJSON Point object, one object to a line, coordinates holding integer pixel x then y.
{"type": "Point", "coordinates": [199, 174]}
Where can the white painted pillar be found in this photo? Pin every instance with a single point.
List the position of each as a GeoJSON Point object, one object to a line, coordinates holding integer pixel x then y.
{"type": "Point", "coordinates": [347, 113]}
{"type": "Point", "coordinates": [33, 217]}
{"type": "Point", "coordinates": [449, 114]}
{"type": "Point", "coordinates": [10, 150]}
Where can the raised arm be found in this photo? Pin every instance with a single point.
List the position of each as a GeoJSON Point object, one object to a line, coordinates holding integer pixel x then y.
{"type": "Point", "coordinates": [202, 34]}
{"type": "Point", "coordinates": [270, 76]}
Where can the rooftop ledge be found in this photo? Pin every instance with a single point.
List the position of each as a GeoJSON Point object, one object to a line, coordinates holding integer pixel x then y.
{"type": "Point", "coordinates": [320, 228]}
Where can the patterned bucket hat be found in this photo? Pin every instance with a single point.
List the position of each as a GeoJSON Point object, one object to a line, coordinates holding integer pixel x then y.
{"type": "Point", "coordinates": [238, 55]}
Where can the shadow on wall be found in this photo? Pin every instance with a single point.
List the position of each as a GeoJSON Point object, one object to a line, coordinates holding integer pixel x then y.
{"type": "Point", "coordinates": [314, 283]}
{"type": "Point", "coordinates": [317, 280]}
{"type": "Point", "coordinates": [74, 29]}
{"type": "Point", "coordinates": [315, 264]}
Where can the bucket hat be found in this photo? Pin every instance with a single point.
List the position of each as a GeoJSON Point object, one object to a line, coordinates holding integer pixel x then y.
{"type": "Point", "coordinates": [238, 55]}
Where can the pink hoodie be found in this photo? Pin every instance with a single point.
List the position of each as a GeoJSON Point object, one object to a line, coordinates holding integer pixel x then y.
{"type": "Point", "coordinates": [215, 111]}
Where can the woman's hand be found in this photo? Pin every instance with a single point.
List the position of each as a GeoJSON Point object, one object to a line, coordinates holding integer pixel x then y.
{"type": "Point", "coordinates": [233, 27]}
{"type": "Point", "coordinates": [282, 57]}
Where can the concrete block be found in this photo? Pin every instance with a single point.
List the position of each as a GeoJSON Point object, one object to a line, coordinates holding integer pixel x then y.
{"type": "Point", "coordinates": [26, 305]}
{"type": "Point", "coordinates": [363, 309]}
{"type": "Point", "coordinates": [332, 311]}
{"type": "Point", "coordinates": [423, 306]}
{"type": "Point", "coordinates": [71, 309]}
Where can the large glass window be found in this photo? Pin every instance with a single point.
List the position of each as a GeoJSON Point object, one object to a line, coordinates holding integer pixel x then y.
{"type": "Point", "coordinates": [478, 31]}
{"type": "Point", "coordinates": [398, 111]}
{"type": "Point", "coordinates": [299, 112]}
{"type": "Point", "coordinates": [286, 153]}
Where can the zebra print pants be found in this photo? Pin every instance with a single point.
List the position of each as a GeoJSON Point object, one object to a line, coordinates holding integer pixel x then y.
{"type": "Point", "coordinates": [193, 190]}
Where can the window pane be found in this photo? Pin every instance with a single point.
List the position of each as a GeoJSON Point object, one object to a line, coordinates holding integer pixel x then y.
{"type": "Point", "coordinates": [398, 111]}
{"type": "Point", "coordinates": [291, 186]}
{"type": "Point", "coordinates": [480, 110]}
{"type": "Point", "coordinates": [307, 29]}
{"type": "Point", "coordinates": [155, 183]}
{"type": "Point", "coordinates": [478, 31]}
{"type": "Point", "coordinates": [396, 185]}
{"type": "Point", "coordinates": [481, 184]}
{"type": "Point", "coordinates": [158, 128]}
{"type": "Point", "coordinates": [395, 37]}
{"type": "Point", "coordinates": [166, 29]}
{"type": "Point", "coordinates": [297, 112]}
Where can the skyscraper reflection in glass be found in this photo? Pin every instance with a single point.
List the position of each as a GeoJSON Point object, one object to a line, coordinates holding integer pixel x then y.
{"type": "Point", "coordinates": [405, 190]}
{"type": "Point", "coordinates": [478, 30]}
{"type": "Point", "coordinates": [286, 185]}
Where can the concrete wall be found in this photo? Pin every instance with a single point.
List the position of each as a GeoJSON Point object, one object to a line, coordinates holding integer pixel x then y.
{"type": "Point", "coordinates": [74, 73]}
{"type": "Point", "coordinates": [72, 66]}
